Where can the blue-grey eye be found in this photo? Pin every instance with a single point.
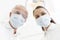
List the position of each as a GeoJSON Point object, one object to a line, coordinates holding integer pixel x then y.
{"type": "Point", "coordinates": [17, 12]}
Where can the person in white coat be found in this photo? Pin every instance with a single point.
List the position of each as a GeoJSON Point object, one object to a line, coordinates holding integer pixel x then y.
{"type": "Point", "coordinates": [17, 17]}
{"type": "Point", "coordinates": [48, 25]}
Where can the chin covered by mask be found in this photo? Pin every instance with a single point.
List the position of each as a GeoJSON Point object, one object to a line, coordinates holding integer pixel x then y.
{"type": "Point", "coordinates": [44, 20]}
{"type": "Point", "coordinates": [17, 20]}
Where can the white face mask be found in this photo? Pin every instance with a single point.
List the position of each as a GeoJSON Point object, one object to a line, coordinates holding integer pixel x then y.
{"type": "Point", "coordinates": [44, 20]}
{"type": "Point", "coordinates": [17, 20]}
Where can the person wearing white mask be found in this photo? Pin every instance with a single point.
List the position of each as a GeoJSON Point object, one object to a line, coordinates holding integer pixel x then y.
{"type": "Point", "coordinates": [42, 17]}
{"type": "Point", "coordinates": [18, 17]}
{"type": "Point", "coordinates": [48, 25]}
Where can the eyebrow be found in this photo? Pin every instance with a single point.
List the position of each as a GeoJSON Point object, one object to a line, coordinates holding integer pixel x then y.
{"type": "Point", "coordinates": [43, 12]}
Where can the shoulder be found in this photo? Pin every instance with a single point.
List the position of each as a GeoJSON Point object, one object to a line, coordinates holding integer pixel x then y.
{"type": "Point", "coordinates": [57, 25]}
{"type": "Point", "coordinates": [3, 33]}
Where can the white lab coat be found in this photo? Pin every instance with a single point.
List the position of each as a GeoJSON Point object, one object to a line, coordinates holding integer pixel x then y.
{"type": "Point", "coordinates": [9, 30]}
{"type": "Point", "coordinates": [25, 32]}
{"type": "Point", "coordinates": [3, 33]}
{"type": "Point", "coordinates": [53, 32]}
{"type": "Point", "coordinates": [29, 32]}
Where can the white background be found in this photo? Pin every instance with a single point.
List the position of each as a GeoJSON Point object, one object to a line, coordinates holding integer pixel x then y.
{"type": "Point", "coordinates": [7, 5]}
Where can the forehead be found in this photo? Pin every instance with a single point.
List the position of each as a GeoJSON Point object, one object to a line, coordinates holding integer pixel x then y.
{"type": "Point", "coordinates": [39, 11]}
{"type": "Point", "coordinates": [20, 9]}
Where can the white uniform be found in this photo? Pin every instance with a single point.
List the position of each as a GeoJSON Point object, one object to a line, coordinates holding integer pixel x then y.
{"type": "Point", "coordinates": [53, 32]}
{"type": "Point", "coordinates": [3, 33]}
{"type": "Point", "coordinates": [34, 32]}
{"type": "Point", "coordinates": [25, 32]}
{"type": "Point", "coordinates": [9, 30]}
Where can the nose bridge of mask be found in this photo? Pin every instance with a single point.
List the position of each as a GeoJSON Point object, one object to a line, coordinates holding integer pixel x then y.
{"type": "Point", "coordinates": [46, 15]}
{"type": "Point", "coordinates": [43, 17]}
{"type": "Point", "coordinates": [16, 16]}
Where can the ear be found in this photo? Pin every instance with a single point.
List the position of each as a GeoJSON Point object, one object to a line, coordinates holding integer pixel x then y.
{"type": "Point", "coordinates": [52, 21]}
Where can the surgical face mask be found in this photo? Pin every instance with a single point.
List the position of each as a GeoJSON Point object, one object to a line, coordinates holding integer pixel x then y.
{"type": "Point", "coordinates": [17, 20]}
{"type": "Point", "coordinates": [44, 20]}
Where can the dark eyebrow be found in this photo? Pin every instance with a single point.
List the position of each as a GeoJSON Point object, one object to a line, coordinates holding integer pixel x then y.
{"type": "Point", "coordinates": [19, 13]}
{"type": "Point", "coordinates": [43, 12]}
